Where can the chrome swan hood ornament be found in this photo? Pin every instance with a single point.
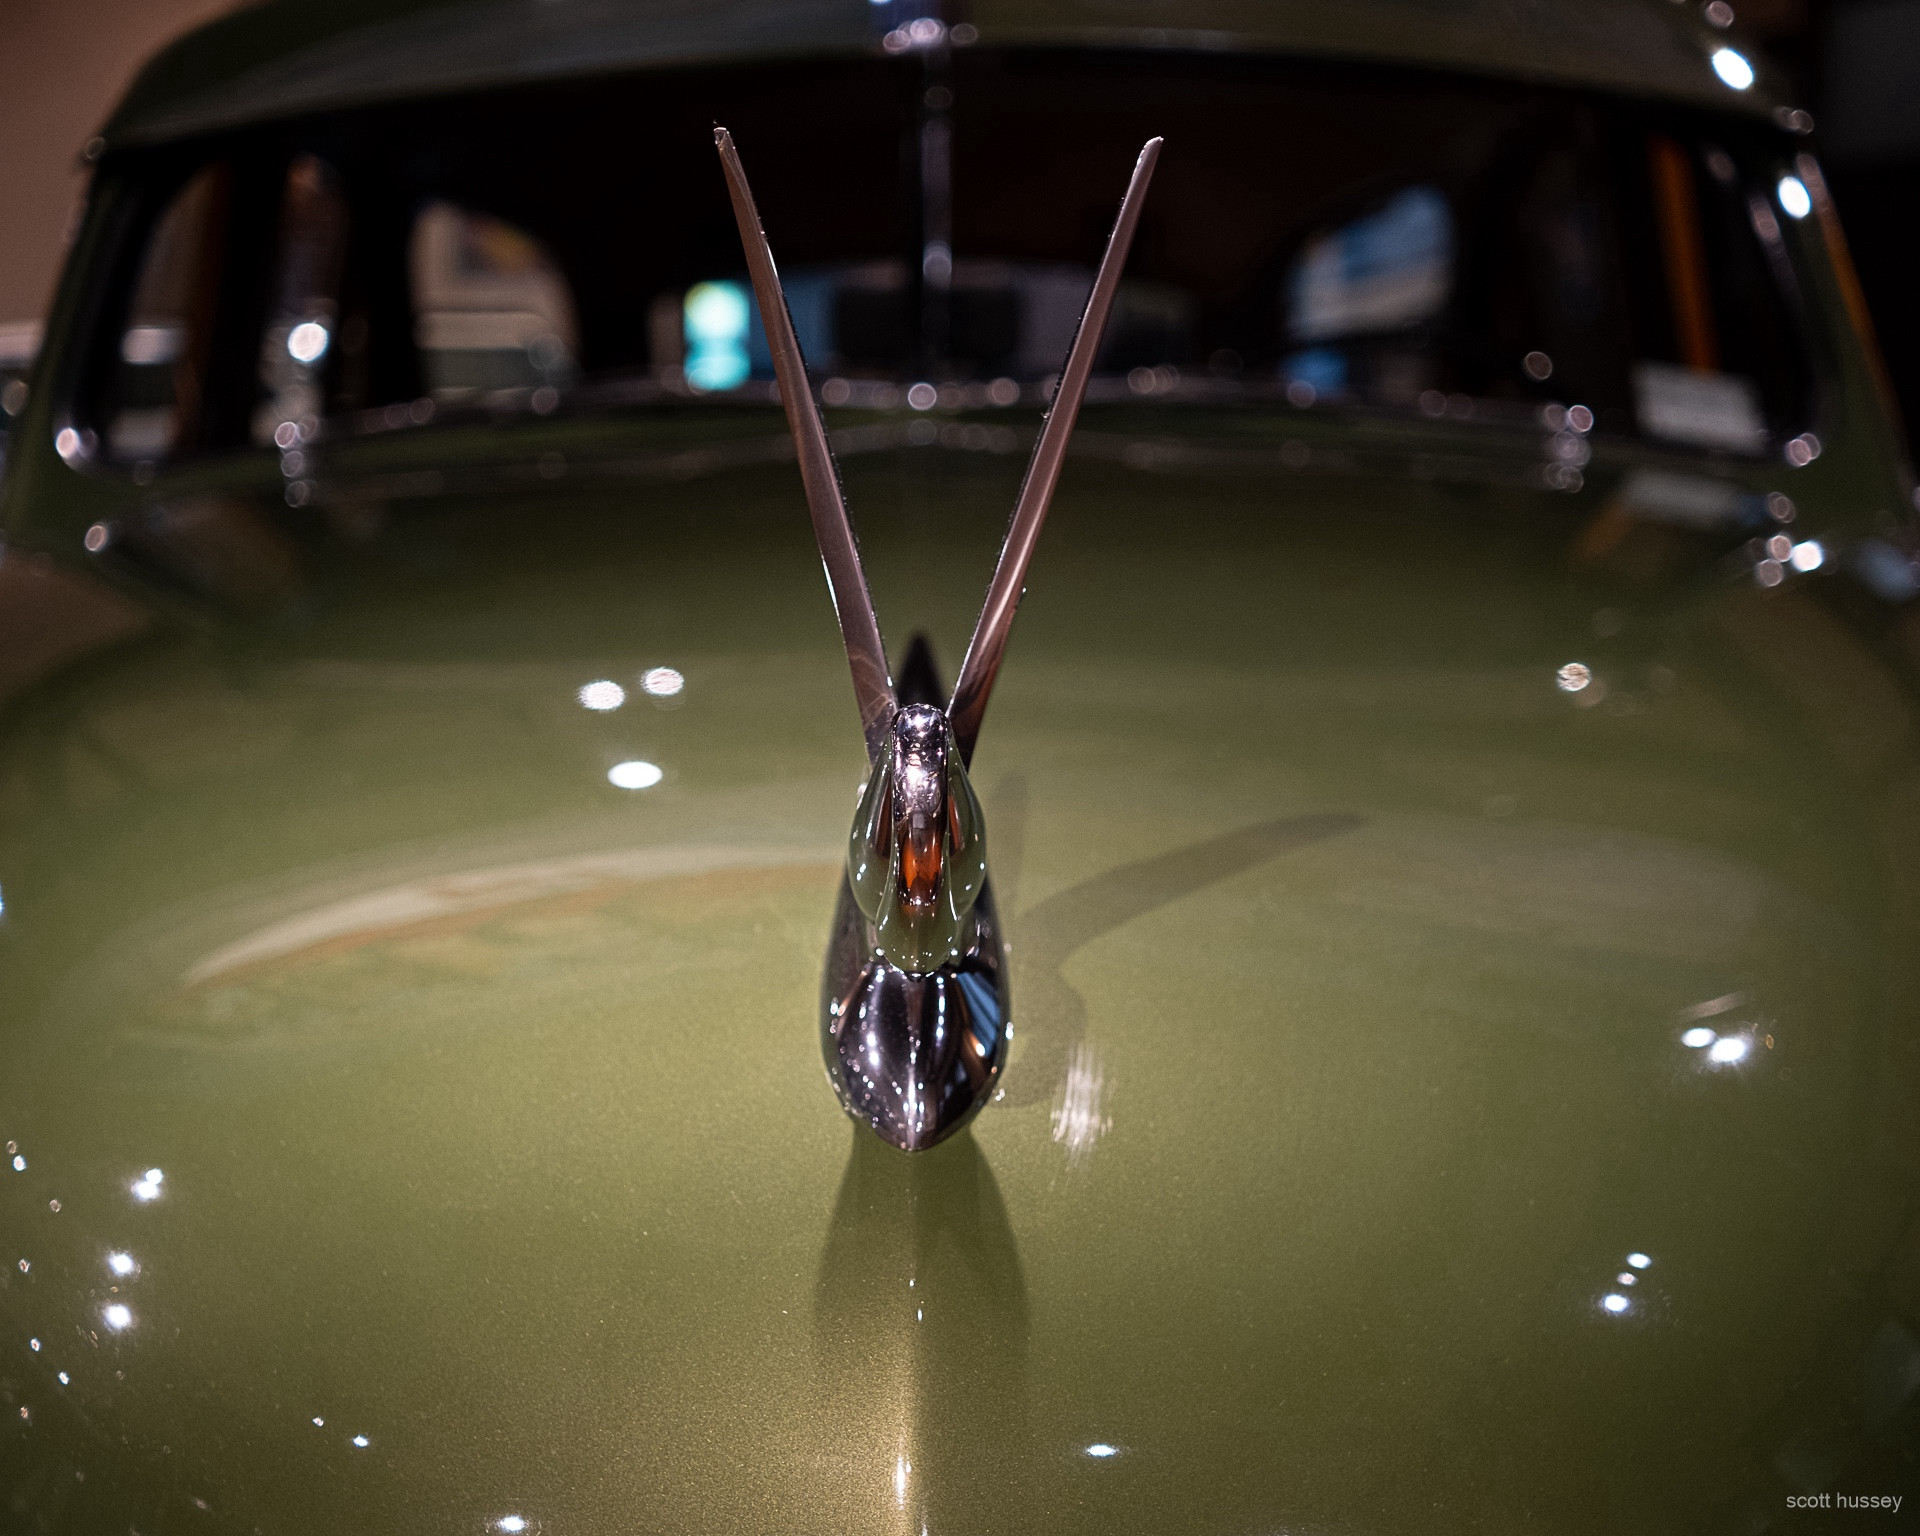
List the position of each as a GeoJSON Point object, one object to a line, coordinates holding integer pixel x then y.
{"type": "Point", "coordinates": [915, 1008]}
{"type": "Point", "coordinates": [917, 859]}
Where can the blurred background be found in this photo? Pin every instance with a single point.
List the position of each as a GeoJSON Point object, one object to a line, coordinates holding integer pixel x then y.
{"type": "Point", "coordinates": [1856, 62]}
{"type": "Point", "coordinates": [63, 63]}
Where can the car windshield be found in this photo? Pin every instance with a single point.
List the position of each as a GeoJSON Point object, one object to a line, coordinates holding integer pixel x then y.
{"type": "Point", "coordinates": [1318, 236]}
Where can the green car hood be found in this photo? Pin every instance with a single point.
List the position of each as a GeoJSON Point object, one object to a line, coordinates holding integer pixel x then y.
{"type": "Point", "coordinates": [461, 1121]}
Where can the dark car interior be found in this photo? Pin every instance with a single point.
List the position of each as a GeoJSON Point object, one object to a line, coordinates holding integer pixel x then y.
{"type": "Point", "coordinates": [1341, 235]}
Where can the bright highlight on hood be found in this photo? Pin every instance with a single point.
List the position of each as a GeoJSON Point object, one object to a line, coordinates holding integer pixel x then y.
{"type": "Point", "coordinates": [602, 695]}
{"type": "Point", "coordinates": [635, 775]}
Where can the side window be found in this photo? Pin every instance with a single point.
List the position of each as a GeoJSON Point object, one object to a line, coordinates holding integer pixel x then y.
{"type": "Point", "coordinates": [1551, 300]}
{"type": "Point", "coordinates": [1620, 270]}
{"type": "Point", "coordinates": [1360, 301]}
{"type": "Point", "coordinates": [303, 304]}
{"type": "Point", "coordinates": [230, 319]}
{"type": "Point", "coordinates": [160, 366]}
{"type": "Point", "coordinates": [491, 310]}
{"type": "Point", "coordinates": [1689, 397]}
{"type": "Point", "coordinates": [1724, 371]}
{"type": "Point", "coordinates": [1634, 283]}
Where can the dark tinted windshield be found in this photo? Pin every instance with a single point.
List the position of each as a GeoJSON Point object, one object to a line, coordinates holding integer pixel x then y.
{"type": "Point", "coordinates": [1317, 235]}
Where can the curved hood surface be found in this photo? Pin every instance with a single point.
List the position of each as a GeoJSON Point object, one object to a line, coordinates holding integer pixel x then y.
{"type": "Point", "coordinates": [412, 1130]}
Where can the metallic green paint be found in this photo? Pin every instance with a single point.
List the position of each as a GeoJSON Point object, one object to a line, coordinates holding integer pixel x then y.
{"type": "Point", "coordinates": [1352, 955]}
{"type": "Point", "coordinates": [1351, 960]}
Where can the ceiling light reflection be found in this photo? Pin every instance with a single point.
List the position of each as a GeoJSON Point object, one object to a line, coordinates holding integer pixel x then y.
{"type": "Point", "coordinates": [1808, 556]}
{"type": "Point", "coordinates": [661, 682]}
{"type": "Point", "coordinates": [1733, 68]}
{"type": "Point", "coordinates": [307, 342]}
{"type": "Point", "coordinates": [1795, 201]}
{"type": "Point", "coordinates": [122, 1263]}
{"type": "Point", "coordinates": [1614, 1302]}
{"type": "Point", "coordinates": [602, 695]}
{"type": "Point", "coordinates": [1639, 1260]}
{"type": "Point", "coordinates": [1698, 1038]}
{"type": "Point", "coordinates": [118, 1317]}
{"type": "Point", "coordinates": [1729, 1049]}
{"type": "Point", "coordinates": [1077, 1121]}
{"type": "Point", "coordinates": [635, 774]}
{"type": "Point", "coordinates": [1102, 1450]}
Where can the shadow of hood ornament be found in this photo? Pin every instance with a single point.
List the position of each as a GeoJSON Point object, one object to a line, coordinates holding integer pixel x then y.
{"type": "Point", "coordinates": [915, 1016]}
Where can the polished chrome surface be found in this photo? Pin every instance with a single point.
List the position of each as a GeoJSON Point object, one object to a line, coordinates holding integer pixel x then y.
{"type": "Point", "coordinates": [916, 1012]}
{"type": "Point", "coordinates": [989, 643]}
{"type": "Point", "coordinates": [917, 857]}
{"type": "Point", "coordinates": [915, 1055]}
{"type": "Point", "coordinates": [866, 654]}
{"type": "Point", "coordinates": [915, 1008]}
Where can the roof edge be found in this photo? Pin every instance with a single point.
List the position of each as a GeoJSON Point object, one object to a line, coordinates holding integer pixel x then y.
{"type": "Point", "coordinates": [287, 57]}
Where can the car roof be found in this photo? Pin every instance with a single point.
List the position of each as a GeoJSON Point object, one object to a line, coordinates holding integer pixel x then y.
{"type": "Point", "coordinates": [290, 57]}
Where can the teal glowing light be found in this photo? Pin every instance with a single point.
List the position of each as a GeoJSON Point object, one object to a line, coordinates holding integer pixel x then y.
{"type": "Point", "coordinates": [716, 317]}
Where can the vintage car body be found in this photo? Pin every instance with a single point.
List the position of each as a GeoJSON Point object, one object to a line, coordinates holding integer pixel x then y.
{"type": "Point", "coordinates": [410, 1130]}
